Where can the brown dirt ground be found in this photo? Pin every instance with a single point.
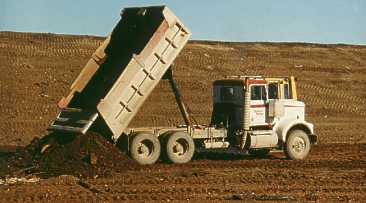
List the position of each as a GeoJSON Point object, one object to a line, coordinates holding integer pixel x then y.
{"type": "Point", "coordinates": [332, 172]}
{"type": "Point", "coordinates": [37, 70]}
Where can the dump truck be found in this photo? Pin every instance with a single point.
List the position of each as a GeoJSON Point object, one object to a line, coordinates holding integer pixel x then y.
{"type": "Point", "coordinates": [251, 114]}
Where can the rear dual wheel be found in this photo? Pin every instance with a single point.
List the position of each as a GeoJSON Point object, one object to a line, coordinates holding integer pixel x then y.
{"type": "Point", "coordinates": [145, 148]}
{"type": "Point", "coordinates": [175, 147]}
{"type": "Point", "coordinates": [178, 147]}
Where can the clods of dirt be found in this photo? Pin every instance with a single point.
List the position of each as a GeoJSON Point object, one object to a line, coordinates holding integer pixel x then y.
{"type": "Point", "coordinates": [89, 155]}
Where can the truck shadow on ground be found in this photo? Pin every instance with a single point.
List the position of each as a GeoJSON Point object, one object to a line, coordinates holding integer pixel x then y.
{"type": "Point", "coordinates": [221, 155]}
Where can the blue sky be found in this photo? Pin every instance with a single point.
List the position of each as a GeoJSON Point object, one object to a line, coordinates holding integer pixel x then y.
{"type": "Point", "coordinates": [319, 21]}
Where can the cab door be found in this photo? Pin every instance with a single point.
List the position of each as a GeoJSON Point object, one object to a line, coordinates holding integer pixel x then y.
{"type": "Point", "coordinates": [258, 104]}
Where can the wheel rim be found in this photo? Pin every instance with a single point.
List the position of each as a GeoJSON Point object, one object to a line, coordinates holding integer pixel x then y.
{"type": "Point", "coordinates": [298, 145]}
{"type": "Point", "coordinates": [145, 148]}
{"type": "Point", "coordinates": [180, 147]}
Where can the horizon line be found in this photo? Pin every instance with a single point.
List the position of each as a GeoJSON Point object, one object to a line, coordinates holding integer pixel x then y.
{"type": "Point", "coordinates": [204, 40]}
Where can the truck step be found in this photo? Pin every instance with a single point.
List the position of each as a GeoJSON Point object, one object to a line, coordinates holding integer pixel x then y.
{"type": "Point", "coordinates": [73, 120]}
{"type": "Point", "coordinates": [262, 132]}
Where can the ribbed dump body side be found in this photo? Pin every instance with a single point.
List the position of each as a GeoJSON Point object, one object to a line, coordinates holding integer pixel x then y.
{"type": "Point", "coordinates": [143, 73]}
{"type": "Point", "coordinates": [125, 69]}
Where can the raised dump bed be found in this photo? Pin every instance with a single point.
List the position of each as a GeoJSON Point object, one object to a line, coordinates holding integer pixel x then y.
{"type": "Point", "coordinates": [123, 71]}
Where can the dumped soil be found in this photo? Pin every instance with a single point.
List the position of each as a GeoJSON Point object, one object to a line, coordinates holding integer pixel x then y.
{"type": "Point", "coordinates": [89, 155]}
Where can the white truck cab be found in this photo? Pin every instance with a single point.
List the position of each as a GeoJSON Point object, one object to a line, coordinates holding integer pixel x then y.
{"type": "Point", "coordinates": [270, 109]}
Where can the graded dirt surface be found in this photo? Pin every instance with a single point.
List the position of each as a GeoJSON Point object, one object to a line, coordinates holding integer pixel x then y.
{"type": "Point", "coordinates": [333, 172]}
{"type": "Point", "coordinates": [38, 69]}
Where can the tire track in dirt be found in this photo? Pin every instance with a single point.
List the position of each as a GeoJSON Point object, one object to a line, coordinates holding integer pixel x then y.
{"type": "Point", "coordinates": [344, 102]}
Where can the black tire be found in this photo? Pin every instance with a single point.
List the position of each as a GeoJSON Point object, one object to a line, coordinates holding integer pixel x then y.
{"type": "Point", "coordinates": [178, 147]}
{"type": "Point", "coordinates": [145, 148]}
{"type": "Point", "coordinates": [297, 145]}
{"type": "Point", "coordinates": [259, 152]}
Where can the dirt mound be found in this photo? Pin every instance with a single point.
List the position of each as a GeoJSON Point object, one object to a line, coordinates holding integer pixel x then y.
{"type": "Point", "coordinates": [89, 155]}
{"type": "Point", "coordinates": [84, 155]}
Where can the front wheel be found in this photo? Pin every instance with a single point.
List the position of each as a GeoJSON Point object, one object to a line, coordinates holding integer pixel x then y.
{"type": "Point", "coordinates": [145, 148]}
{"type": "Point", "coordinates": [178, 147]}
{"type": "Point", "coordinates": [297, 145]}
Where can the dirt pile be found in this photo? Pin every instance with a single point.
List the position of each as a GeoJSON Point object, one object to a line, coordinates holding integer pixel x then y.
{"type": "Point", "coordinates": [89, 155]}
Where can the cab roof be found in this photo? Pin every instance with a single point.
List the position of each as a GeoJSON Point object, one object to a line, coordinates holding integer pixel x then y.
{"type": "Point", "coordinates": [240, 80]}
{"type": "Point", "coordinates": [229, 82]}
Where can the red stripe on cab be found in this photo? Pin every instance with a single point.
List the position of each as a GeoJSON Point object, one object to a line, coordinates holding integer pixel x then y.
{"type": "Point", "coordinates": [257, 106]}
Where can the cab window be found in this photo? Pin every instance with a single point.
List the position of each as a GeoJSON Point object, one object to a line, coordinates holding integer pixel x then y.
{"type": "Point", "coordinates": [258, 92]}
{"type": "Point", "coordinates": [273, 91]}
{"type": "Point", "coordinates": [231, 94]}
{"type": "Point", "coordinates": [227, 93]}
